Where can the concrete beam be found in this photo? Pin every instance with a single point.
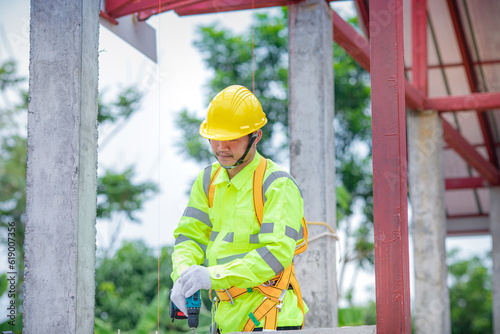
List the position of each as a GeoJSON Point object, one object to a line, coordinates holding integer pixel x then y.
{"type": "Point", "coordinates": [312, 156]}
{"type": "Point", "coordinates": [61, 174]}
{"type": "Point", "coordinates": [426, 181]}
{"type": "Point", "coordinates": [495, 235]}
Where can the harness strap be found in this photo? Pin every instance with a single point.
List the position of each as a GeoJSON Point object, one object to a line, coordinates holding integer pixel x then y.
{"type": "Point", "coordinates": [258, 196]}
{"type": "Point", "coordinates": [211, 188]}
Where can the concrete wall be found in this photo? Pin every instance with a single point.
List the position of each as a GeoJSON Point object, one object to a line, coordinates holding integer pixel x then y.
{"type": "Point", "coordinates": [426, 184]}
{"type": "Point", "coordinates": [62, 161]}
{"type": "Point", "coordinates": [312, 157]}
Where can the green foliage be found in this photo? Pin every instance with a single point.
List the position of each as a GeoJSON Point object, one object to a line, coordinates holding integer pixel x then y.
{"type": "Point", "coordinates": [128, 282]}
{"type": "Point", "coordinates": [117, 193]}
{"type": "Point", "coordinates": [358, 315]}
{"type": "Point", "coordinates": [126, 292]}
{"type": "Point", "coordinates": [470, 295]}
{"type": "Point", "coordinates": [125, 104]}
{"type": "Point", "coordinates": [8, 75]}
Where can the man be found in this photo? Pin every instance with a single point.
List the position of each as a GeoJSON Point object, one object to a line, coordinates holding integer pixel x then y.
{"type": "Point", "coordinates": [221, 225]}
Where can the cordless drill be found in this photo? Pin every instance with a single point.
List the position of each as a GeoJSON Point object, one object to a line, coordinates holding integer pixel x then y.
{"type": "Point", "coordinates": [193, 305]}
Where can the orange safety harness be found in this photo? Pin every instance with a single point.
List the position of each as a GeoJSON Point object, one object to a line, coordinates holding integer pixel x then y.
{"type": "Point", "coordinates": [274, 290]}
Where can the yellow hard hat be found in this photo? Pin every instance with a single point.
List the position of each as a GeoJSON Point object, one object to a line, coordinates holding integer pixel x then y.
{"type": "Point", "coordinates": [233, 113]}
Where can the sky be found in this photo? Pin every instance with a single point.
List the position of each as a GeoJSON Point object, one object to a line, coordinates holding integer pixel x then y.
{"type": "Point", "coordinates": [147, 140]}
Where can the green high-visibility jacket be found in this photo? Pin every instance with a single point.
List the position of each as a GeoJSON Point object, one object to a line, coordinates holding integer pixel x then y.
{"type": "Point", "coordinates": [239, 252]}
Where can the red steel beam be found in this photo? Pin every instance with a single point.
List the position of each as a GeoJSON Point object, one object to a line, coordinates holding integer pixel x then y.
{"type": "Point", "coordinates": [115, 5]}
{"type": "Point", "coordinates": [477, 101]}
{"type": "Point", "coordinates": [211, 6]}
{"type": "Point", "coordinates": [351, 41]}
{"type": "Point", "coordinates": [450, 65]}
{"type": "Point", "coordinates": [119, 8]}
{"type": "Point", "coordinates": [472, 78]}
{"type": "Point", "coordinates": [359, 49]}
{"type": "Point", "coordinates": [458, 143]}
{"type": "Point", "coordinates": [419, 44]}
{"type": "Point", "coordinates": [362, 9]}
{"type": "Point", "coordinates": [464, 183]}
{"type": "Point", "coordinates": [392, 279]}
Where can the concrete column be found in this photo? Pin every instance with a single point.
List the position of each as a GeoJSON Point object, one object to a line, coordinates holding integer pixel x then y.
{"type": "Point", "coordinates": [311, 112]}
{"type": "Point", "coordinates": [495, 235]}
{"type": "Point", "coordinates": [426, 183]}
{"type": "Point", "coordinates": [62, 161]}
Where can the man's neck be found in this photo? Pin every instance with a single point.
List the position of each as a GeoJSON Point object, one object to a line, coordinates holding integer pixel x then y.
{"type": "Point", "coordinates": [233, 171]}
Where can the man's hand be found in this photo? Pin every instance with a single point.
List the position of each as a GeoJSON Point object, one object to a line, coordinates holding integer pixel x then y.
{"type": "Point", "coordinates": [177, 297]}
{"type": "Point", "coordinates": [195, 278]}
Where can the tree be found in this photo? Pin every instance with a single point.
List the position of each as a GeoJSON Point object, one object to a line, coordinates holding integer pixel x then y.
{"type": "Point", "coordinates": [470, 286]}
{"type": "Point", "coordinates": [118, 192]}
{"type": "Point", "coordinates": [230, 58]}
{"type": "Point", "coordinates": [127, 283]}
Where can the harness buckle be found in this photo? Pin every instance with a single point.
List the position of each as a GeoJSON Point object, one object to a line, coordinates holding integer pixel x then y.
{"type": "Point", "coordinates": [230, 297]}
{"type": "Point", "coordinates": [282, 296]}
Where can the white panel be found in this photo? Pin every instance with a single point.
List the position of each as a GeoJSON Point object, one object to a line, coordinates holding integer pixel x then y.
{"type": "Point", "coordinates": [439, 15]}
{"type": "Point", "coordinates": [468, 226]}
{"type": "Point", "coordinates": [137, 33]}
{"type": "Point", "coordinates": [484, 16]}
{"type": "Point", "coordinates": [461, 202]}
{"type": "Point", "coordinates": [470, 128]}
{"type": "Point", "coordinates": [454, 165]}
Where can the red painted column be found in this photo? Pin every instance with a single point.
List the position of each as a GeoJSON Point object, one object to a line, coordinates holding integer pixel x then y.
{"type": "Point", "coordinates": [419, 44]}
{"type": "Point", "coordinates": [389, 167]}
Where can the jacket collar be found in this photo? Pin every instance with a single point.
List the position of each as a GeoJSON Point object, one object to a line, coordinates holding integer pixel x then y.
{"type": "Point", "coordinates": [242, 177]}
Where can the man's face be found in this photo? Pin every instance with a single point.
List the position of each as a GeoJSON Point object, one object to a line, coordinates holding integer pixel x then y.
{"type": "Point", "coordinates": [228, 152]}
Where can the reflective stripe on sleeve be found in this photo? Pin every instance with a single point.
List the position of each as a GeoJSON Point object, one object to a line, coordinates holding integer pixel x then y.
{"type": "Point", "coordinates": [292, 233]}
{"type": "Point", "coordinates": [207, 172]}
{"type": "Point", "coordinates": [228, 259]}
{"type": "Point", "coordinates": [213, 235]}
{"type": "Point", "coordinates": [197, 214]}
{"type": "Point", "coordinates": [254, 239]}
{"type": "Point", "coordinates": [183, 238]}
{"type": "Point", "coordinates": [274, 176]}
{"type": "Point", "coordinates": [270, 259]}
{"type": "Point", "coordinates": [229, 237]}
{"type": "Point", "coordinates": [267, 228]}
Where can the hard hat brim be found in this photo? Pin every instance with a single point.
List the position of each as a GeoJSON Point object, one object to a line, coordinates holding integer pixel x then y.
{"type": "Point", "coordinates": [224, 135]}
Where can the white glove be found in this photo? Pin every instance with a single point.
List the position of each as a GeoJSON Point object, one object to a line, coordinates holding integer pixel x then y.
{"type": "Point", "coordinates": [177, 297]}
{"type": "Point", "coordinates": [195, 278]}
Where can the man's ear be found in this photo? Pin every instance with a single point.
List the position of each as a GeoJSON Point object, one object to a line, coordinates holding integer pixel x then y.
{"type": "Point", "coordinates": [259, 136]}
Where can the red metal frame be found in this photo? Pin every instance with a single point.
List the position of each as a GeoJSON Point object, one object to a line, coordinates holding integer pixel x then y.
{"type": "Point", "coordinates": [359, 49]}
{"type": "Point", "coordinates": [362, 8]}
{"type": "Point", "coordinates": [419, 45]}
{"type": "Point", "coordinates": [464, 183]}
{"type": "Point", "coordinates": [453, 138]}
{"type": "Point", "coordinates": [392, 282]}
{"type": "Point", "coordinates": [477, 101]}
{"type": "Point", "coordinates": [108, 17]}
{"type": "Point", "coordinates": [472, 78]}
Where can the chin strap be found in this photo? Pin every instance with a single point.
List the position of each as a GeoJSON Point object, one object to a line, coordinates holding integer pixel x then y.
{"type": "Point", "coordinates": [240, 160]}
